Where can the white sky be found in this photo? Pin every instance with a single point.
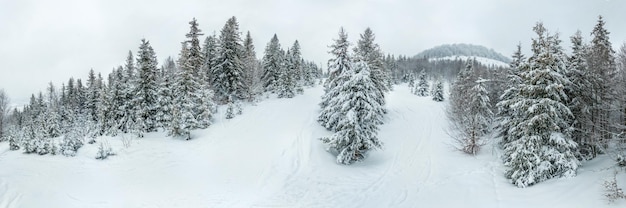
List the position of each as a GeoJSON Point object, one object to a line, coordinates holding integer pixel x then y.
{"type": "Point", "coordinates": [43, 40]}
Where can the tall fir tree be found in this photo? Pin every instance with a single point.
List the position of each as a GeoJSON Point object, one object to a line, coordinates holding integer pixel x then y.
{"type": "Point", "coordinates": [341, 61]}
{"type": "Point", "coordinates": [209, 52]}
{"type": "Point", "coordinates": [229, 83]}
{"type": "Point", "coordinates": [540, 145]}
{"type": "Point", "coordinates": [367, 50]}
{"type": "Point", "coordinates": [601, 61]}
{"type": "Point", "coordinates": [581, 94]}
{"type": "Point", "coordinates": [359, 111]}
{"type": "Point", "coordinates": [251, 67]}
{"type": "Point", "coordinates": [272, 64]}
{"type": "Point", "coordinates": [187, 87]}
{"type": "Point", "coordinates": [146, 90]}
{"type": "Point", "coordinates": [165, 94]}
{"type": "Point", "coordinates": [127, 108]}
{"type": "Point", "coordinates": [421, 88]}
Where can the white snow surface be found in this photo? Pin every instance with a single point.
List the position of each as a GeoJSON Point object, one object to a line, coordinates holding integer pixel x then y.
{"type": "Point", "coordinates": [482, 60]}
{"type": "Point", "coordinates": [271, 157]}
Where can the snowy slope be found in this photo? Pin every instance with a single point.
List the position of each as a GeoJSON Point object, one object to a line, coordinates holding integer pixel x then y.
{"type": "Point", "coordinates": [270, 157]}
{"type": "Point", "coordinates": [482, 60]}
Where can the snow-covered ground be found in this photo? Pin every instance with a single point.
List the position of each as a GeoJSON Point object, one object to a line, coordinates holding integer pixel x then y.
{"type": "Point", "coordinates": [482, 60]}
{"type": "Point", "coordinates": [270, 157]}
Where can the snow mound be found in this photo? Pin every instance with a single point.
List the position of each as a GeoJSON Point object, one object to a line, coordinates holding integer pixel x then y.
{"type": "Point", "coordinates": [271, 157]}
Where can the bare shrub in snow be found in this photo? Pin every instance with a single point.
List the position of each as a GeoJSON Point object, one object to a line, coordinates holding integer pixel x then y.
{"type": "Point", "coordinates": [612, 191]}
{"type": "Point", "coordinates": [104, 151]}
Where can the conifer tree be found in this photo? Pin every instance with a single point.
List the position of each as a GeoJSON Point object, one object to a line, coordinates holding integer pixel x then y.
{"type": "Point", "coordinates": [272, 64]}
{"type": "Point", "coordinates": [187, 87]}
{"type": "Point", "coordinates": [146, 90]}
{"type": "Point", "coordinates": [165, 94]}
{"type": "Point", "coordinates": [540, 145]}
{"type": "Point", "coordinates": [229, 71]}
{"type": "Point", "coordinates": [359, 113]}
{"type": "Point", "coordinates": [437, 93]}
{"type": "Point", "coordinates": [340, 62]}
{"type": "Point", "coordinates": [368, 51]}
{"type": "Point", "coordinates": [286, 86]}
{"type": "Point", "coordinates": [127, 109]}
{"type": "Point", "coordinates": [251, 67]}
{"type": "Point", "coordinates": [209, 52]}
{"type": "Point", "coordinates": [421, 88]}
{"type": "Point", "coordinates": [580, 92]}
{"type": "Point", "coordinates": [601, 62]}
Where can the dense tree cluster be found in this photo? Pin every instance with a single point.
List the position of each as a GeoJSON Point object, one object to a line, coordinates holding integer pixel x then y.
{"type": "Point", "coordinates": [141, 97]}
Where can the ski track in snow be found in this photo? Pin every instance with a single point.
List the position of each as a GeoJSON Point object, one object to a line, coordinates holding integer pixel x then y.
{"type": "Point", "coordinates": [271, 157]}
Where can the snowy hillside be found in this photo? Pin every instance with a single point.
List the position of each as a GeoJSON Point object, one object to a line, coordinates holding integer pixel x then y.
{"type": "Point", "coordinates": [270, 157]}
{"type": "Point", "coordinates": [482, 60]}
{"type": "Point", "coordinates": [462, 49]}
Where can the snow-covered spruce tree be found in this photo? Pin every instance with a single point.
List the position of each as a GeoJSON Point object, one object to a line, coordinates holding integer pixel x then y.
{"type": "Point", "coordinates": [359, 112]}
{"type": "Point", "coordinates": [512, 82]}
{"type": "Point", "coordinates": [581, 94]}
{"type": "Point", "coordinates": [272, 64]}
{"type": "Point", "coordinates": [341, 61]}
{"type": "Point", "coordinates": [166, 96]}
{"type": "Point", "coordinates": [127, 88]}
{"type": "Point", "coordinates": [103, 114]}
{"type": "Point", "coordinates": [541, 147]}
{"type": "Point", "coordinates": [368, 51]}
{"type": "Point", "coordinates": [187, 87]}
{"type": "Point", "coordinates": [4, 111]}
{"type": "Point", "coordinates": [287, 83]}
{"type": "Point", "coordinates": [295, 63]}
{"type": "Point", "coordinates": [94, 84]}
{"type": "Point", "coordinates": [251, 68]}
{"type": "Point", "coordinates": [601, 61]}
{"type": "Point", "coordinates": [421, 88]}
{"type": "Point", "coordinates": [145, 93]}
{"type": "Point", "coordinates": [209, 52]}
{"type": "Point", "coordinates": [14, 136]}
{"type": "Point", "coordinates": [437, 93]}
{"type": "Point", "coordinates": [229, 70]}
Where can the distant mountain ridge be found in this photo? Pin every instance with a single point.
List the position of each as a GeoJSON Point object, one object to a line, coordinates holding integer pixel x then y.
{"type": "Point", "coordinates": [462, 49]}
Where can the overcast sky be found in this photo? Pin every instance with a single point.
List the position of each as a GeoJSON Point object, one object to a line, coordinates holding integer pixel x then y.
{"type": "Point", "coordinates": [43, 40]}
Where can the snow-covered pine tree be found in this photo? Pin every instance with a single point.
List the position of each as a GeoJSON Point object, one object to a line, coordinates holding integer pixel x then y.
{"type": "Point", "coordinates": [116, 98]}
{"type": "Point", "coordinates": [166, 96]}
{"type": "Point", "coordinates": [192, 105]}
{"type": "Point", "coordinates": [104, 114]}
{"type": "Point", "coordinates": [4, 111]}
{"type": "Point", "coordinates": [368, 51]}
{"type": "Point", "coordinates": [601, 61]}
{"type": "Point", "coordinates": [296, 64]}
{"type": "Point", "coordinates": [437, 93]}
{"type": "Point", "coordinates": [92, 92]}
{"type": "Point", "coordinates": [251, 68]}
{"type": "Point", "coordinates": [127, 86]}
{"type": "Point", "coordinates": [209, 52]}
{"type": "Point", "coordinates": [145, 95]}
{"type": "Point", "coordinates": [541, 147]}
{"type": "Point", "coordinates": [582, 97]}
{"type": "Point", "coordinates": [359, 112]}
{"type": "Point", "coordinates": [229, 70]}
{"type": "Point", "coordinates": [421, 88]}
{"type": "Point", "coordinates": [52, 115]}
{"type": "Point", "coordinates": [341, 61]}
{"type": "Point", "coordinates": [512, 82]}
{"type": "Point", "coordinates": [272, 64]}
{"type": "Point", "coordinates": [286, 84]}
